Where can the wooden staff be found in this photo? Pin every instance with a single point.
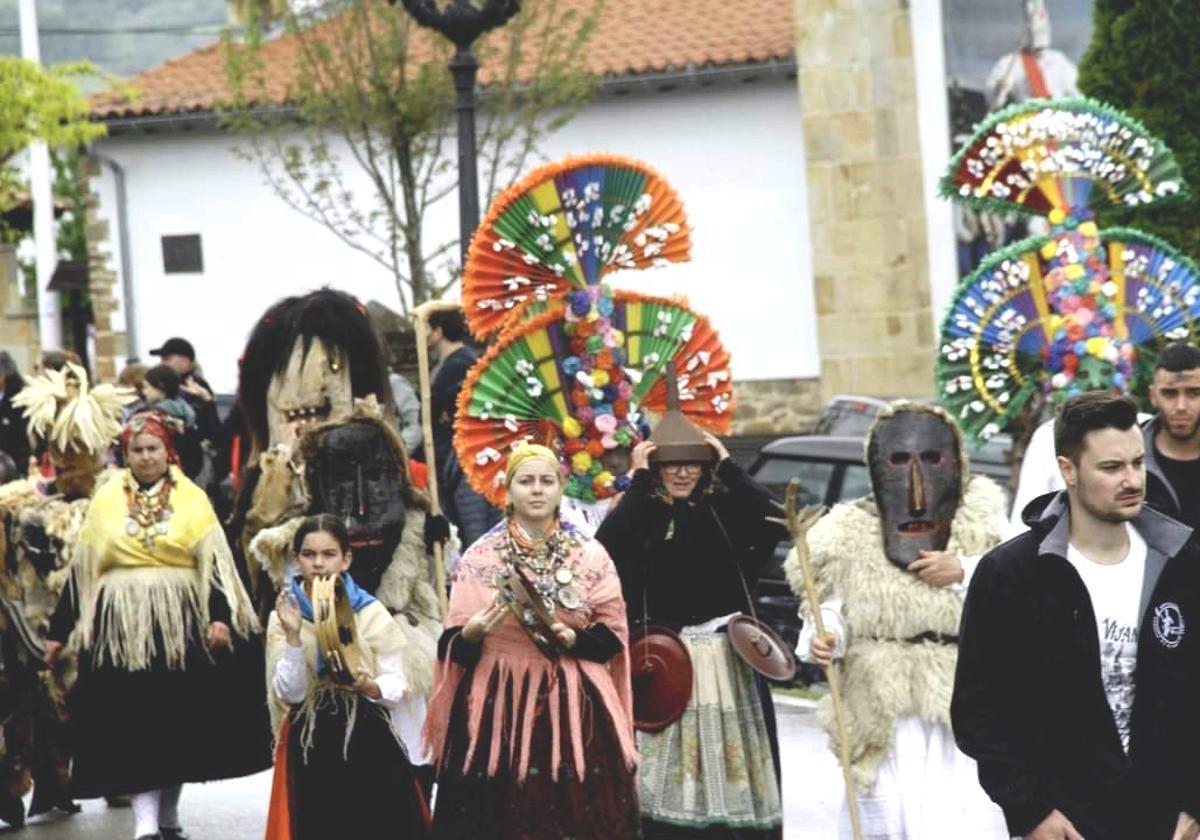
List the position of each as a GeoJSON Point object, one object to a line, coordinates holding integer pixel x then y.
{"type": "Point", "coordinates": [420, 317]}
{"type": "Point", "coordinates": [799, 537]}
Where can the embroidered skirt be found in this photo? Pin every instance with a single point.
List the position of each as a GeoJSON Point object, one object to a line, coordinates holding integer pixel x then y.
{"type": "Point", "coordinates": [714, 766]}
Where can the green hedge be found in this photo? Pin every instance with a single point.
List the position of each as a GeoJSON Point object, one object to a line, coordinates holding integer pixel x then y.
{"type": "Point", "coordinates": [1145, 59]}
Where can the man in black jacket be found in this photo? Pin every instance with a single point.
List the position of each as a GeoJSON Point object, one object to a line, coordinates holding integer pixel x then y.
{"type": "Point", "coordinates": [1078, 679]}
{"type": "Point", "coordinates": [180, 355]}
{"type": "Point", "coordinates": [1172, 437]}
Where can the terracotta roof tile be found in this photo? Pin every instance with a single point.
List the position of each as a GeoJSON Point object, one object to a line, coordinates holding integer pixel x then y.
{"type": "Point", "coordinates": [633, 37]}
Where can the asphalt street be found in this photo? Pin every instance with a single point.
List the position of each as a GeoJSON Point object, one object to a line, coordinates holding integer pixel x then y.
{"type": "Point", "coordinates": [236, 809]}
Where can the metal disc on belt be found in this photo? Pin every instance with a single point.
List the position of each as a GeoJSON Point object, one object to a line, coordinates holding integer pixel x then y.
{"type": "Point", "coordinates": [333, 619]}
{"type": "Point", "coordinates": [661, 669]}
{"type": "Point", "coordinates": [761, 648]}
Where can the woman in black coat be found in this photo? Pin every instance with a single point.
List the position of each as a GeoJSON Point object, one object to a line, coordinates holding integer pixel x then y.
{"type": "Point", "coordinates": [689, 541]}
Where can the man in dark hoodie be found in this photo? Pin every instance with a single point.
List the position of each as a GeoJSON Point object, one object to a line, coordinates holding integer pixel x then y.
{"type": "Point", "coordinates": [1078, 672]}
{"type": "Point", "coordinates": [1172, 437]}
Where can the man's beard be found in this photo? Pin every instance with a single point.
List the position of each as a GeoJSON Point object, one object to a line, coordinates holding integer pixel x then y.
{"type": "Point", "coordinates": [1189, 435]}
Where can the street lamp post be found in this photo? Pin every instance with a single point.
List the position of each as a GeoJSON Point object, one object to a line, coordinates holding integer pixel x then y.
{"type": "Point", "coordinates": [462, 22]}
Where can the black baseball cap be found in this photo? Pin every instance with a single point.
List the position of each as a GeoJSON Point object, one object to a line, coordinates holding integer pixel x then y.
{"type": "Point", "coordinates": [176, 347]}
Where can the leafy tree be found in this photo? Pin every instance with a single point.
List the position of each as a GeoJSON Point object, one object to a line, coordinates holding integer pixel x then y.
{"type": "Point", "coordinates": [369, 80]}
{"type": "Point", "coordinates": [1145, 59]}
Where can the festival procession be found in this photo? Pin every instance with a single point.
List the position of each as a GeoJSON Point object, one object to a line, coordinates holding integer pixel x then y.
{"type": "Point", "coordinates": [797, 437]}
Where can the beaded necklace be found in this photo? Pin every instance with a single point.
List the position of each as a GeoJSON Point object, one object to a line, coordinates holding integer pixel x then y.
{"type": "Point", "coordinates": [148, 510]}
{"type": "Point", "coordinates": [548, 560]}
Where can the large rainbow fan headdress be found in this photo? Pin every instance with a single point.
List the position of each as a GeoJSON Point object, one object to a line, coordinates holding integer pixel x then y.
{"type": "Point", "coordinates": [1081, 308]}
{"type": "Point", "coordinates": [582, 387]}
{"type": "Point", "coordinates": [561, 230]}
{"type": "Point", "coordinates": [577, 364]}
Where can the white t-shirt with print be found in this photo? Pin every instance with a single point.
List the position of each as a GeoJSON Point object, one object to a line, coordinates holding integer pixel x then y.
{"type": "Point", "coordinates": [1116, 593]}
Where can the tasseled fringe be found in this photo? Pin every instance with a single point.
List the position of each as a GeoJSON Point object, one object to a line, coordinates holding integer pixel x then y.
{"type": "Point", "coordinates": [216, 567]}
{"type": "Point", "coordinates": [142, 606]}
{"type": "Point", "coordinates": [535, 690]}
{"type": "Point", "coordinates": [344, 703]}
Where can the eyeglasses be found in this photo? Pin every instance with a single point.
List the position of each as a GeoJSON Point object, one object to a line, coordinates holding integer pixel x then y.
{"type": "Point", "coordinates": [682, 469]}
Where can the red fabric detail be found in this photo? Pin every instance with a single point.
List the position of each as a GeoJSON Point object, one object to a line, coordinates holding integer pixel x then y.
{"type": "Point", "coordinates": [1033, 72]}
{"type": "Point", "coordinates": [235, 463]}
{"type": "Point", "coordinates": [152, 423]}
{"type": "Point", "coordinates": [279, 814]}
{"type": "Point", "coordinates": [419, 473]}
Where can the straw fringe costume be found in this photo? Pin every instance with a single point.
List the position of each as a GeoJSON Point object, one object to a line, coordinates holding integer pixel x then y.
{"type": "Point", "coordinates": [895, 691]}
{"type": "Point", "coordinates": [137, 609]}
{"type": "Point", "coordinates": [530, 748]}
{"type": "Point", "coordinates": [342, 757]}
{"type": "Point", "coordinates": [36, 744]}
{"type": "Point", "coordinates": [405, 593]}
{"type": "Point", "coordinates": [41, 525]}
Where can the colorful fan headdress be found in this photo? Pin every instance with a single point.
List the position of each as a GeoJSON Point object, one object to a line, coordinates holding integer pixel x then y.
{"type": "Point", "coordinates": [564, 227]}
{"type": "Point", "coordinates": [1080, 309]}
{"type": "Point", "coordinates": [67, 414]}
{"type": "Point", "coordinates": [581, 384]}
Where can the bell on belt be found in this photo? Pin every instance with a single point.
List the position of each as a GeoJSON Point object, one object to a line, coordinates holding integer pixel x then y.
{"type": "Point", "coordinates": [661, 670]}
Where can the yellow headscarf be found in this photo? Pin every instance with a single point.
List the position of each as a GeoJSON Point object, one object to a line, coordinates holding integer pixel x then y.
{"type": "Point", "coordinates": [527, 452]}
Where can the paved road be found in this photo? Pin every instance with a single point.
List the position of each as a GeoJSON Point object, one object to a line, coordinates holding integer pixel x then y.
{"type": "Point", "coordinates": [236, 809]}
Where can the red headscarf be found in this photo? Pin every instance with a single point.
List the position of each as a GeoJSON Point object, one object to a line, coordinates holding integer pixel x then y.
{"type": "Point", "coordinates": [155, 423]}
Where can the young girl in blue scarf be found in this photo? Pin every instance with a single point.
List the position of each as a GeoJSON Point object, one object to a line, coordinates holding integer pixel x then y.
{"type": "Point", "coordinates": [341, 767]}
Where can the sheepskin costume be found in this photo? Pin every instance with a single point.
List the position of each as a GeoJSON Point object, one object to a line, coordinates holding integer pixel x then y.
{"type": "Point", "coordinates": [884, 677]}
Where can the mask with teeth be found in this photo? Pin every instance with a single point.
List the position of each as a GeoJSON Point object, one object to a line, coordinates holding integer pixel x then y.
{"type": "Point", "coordinates": [313, 388]}
{"type": "Point", "coordinates": [916, 475]}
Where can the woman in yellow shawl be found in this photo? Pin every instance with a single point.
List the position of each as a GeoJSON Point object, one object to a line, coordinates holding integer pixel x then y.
{"type": "Point", "coordinates": [531, 723]}
{"type": "Point", "coordinates": [170, 686]}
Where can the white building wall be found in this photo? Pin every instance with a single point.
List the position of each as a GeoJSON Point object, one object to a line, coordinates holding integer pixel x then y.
{"type": "Point", "coordinates": [734, 152]}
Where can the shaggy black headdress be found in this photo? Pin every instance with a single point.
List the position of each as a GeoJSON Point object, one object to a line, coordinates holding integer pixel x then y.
{"type": "Point", "coordinates": [334, 317]}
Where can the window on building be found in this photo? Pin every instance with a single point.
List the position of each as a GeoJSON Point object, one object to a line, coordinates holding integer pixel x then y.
{"type": "Point", "coordinates": [182, 254]}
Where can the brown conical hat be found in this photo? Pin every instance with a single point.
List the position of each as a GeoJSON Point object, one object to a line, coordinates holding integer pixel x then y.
{"type": "Point", "coordinates": [675, 438]}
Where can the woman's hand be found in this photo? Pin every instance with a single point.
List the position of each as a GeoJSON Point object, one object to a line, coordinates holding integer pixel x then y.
{"type": "Point", "coordinates": [53, 649]}
{"type": "Point", "coordinates": [480, 624]}
{"type": "Point", "coordinates": [639, 458]}
{"type": "Point", "coordinates": [564, 634]}
{"type": "Point", "coordinates": [196, 389]}
{"type": "Point", "coordinates": [289, 616]}
{"type": "Point", "coordinates": [219, 635]}
{"type": "Point", "coordinates": [717, 447]}
{"type": "Point", "coordinates": [365, 685]}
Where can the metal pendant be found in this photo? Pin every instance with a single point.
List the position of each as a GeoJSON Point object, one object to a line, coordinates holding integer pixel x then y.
{"type": "Point", "coordinates": [545, 585]}
{"type": "Point", "coordinates": [564, 576]}
{"type": "Point", "coordinates": [161, 528]}
{"type": "Point", "coordinates": [569, 598]}
{"type": "Point", "coordinates": [131, 528]}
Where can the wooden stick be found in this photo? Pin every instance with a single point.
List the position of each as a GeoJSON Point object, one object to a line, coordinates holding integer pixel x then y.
{"type": "Point", "coordinates": [799, 539]}
{"type": "Point", "coordinates": [420, 317]}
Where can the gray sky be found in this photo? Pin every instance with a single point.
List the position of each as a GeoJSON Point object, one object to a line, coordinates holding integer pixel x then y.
{"type": "Point", "coordinates": [123, 37]}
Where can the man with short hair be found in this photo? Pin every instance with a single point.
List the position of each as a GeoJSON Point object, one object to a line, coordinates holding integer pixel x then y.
{"type": "Point", "coordinates": [1078, 673]}
{"type": "Point", "coordinates": [1172, 438]}
{"type": "Point", "coordinates": [468, 510]}
{"type": "Point", "coordinates": [179, 354]}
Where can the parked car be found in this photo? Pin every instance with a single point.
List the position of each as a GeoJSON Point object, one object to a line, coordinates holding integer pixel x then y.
{"type": "Point", "coordinates": [848, 415]}
{"type": "Point", "coordinates": [830, 470]}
